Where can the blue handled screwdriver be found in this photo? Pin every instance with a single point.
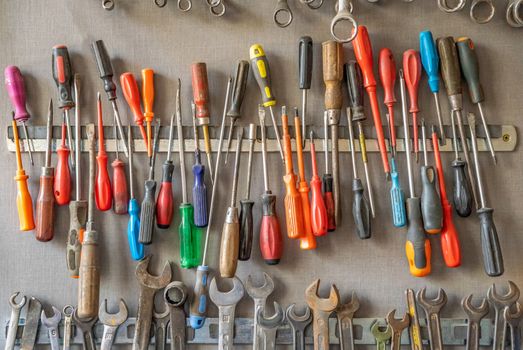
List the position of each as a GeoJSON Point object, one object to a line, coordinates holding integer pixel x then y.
{"type": "Point", "coordinates": [199, 191]}
{"type": "Point", "coordinates": [133, 226]}
{"type": "Point", "coordinates": [397, 196]}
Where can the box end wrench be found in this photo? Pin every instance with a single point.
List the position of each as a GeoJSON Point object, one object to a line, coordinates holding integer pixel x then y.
{"type": "Point", "coordinates": [500, 302]}
{"type": "Point", "coordinates": [298, 324]}
{"type": "Point", "coordinates": [344, 314]}
{"type": "Point", "coordinates": [513, 319]}
{"type": "Point", "coordinates": [397, 326]}
{"type": "Point", "coordinates": [175, 295]}
{"type": "Point", "coordinates": [269, 325]}
{"type": "Point", "coordinates": [259, 295]}
{"type": "Point", "coordinates": [111, 322]}
{"type": "Point", "coordinates": [474, 316]}
{"type": "Point", "coordinates": [51, 323]}
{"type": "Point", "coordinates": [13, 321]}
{"type": "Point", "coordinates": [321, 310]}
{"type": "Point", "coordinates": [432, 308]}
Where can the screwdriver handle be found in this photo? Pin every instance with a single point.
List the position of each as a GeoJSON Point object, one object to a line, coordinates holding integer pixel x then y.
{"type": "Point", "coordinates": [103, 192]}
{"type": "Point", "coordinates": [305, 62]}
{"type": "Point", "coordinates": [238, 89]}
{"type": "Point", "coordinates": [360, 210]}
{"type": "Point", "coordinates": [417, 245]}
{"type": "Point", "coordinates": [133, 230]}
{"type": "Point", "coordinates": [397, 199]}
{"type": "Point", "coordinates": [105, 68]}
{"type": "Point", "coordinates": [190, 250]}
{"type": "Point", "coordinates": [246, 229]}
{"type": "Point", "coordinates": [200, 90]}
{"type": "Point", "coordinates": [63, 76]}
{"type": "Point", "coordinates": [45, 206]}
{"type": "Point", "coordinates": [199, 195]}
{"type": "Point", "coordinates": [329, 202]}
{"type": "Point", "coordinates": [14, 82]}
{"type": "Point", "coordinates": [468, 60]}
{"type": "Point", "coordinates": [148, 93]}
{"type": "Point", "coordinates": [271, 242]}
{"type": "Point", "coordinates": [229, 245]}
{"type": "Point", "coordinates": [429, 59]}
{"type": "Point", "coordinates": [461, 194]}
{"type": "Point", "coordinates": [24, 202]}
{"type": "Point", "coordinates": [89, 277]}
{"type": "Point", "coordinates": [262, 74]}
{"type": "Point", "coordinates": [165, 200]}
{"type": "Point", "coordinates": [363, 53]}
{"type": "Point", "coordinates": [319, 220]}
{"type": "Point", "coordinates": [430, 202]}
{"type": "Point", "coordinates": [147, 213]}
{"type": "Point", "coordinates": [199, 303]}
{"type": "Point", "coordinates": [332, 56]}
{"type": "Point", "coordinates": [387, 73]}
{"type": "Point", "coordinates": [62, 179]}
{"type": "Point", "coordinates": [132, 96]}
{"type": "Point", "coordinates": [355, 90]}
{"type": "Point", "coordinates": [77, 220]}
{"type": "Point", "coordinates": [492, 256]}
{"type": "Point", "coordinates": [120, 194]}
{"type": "Point", "coordinates": [412, 71]}
{"type": "Point", "coordinates": [450, 70]}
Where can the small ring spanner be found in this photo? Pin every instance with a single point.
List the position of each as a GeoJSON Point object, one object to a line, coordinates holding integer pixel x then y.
{"type": "Point", "coordinates": [443, 6]}
{"type": "Point", "coordinates": [282, 8]}
{"type": "Point", "coordinates": [13, 321]}
{"type": "Point", "coordinates": [476, 5]}
{"type": "Point", "coordinates": [344, 10]}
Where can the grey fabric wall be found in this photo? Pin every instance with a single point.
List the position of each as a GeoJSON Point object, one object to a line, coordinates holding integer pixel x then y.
{"type": "Point", "coordinates": [138, 34]}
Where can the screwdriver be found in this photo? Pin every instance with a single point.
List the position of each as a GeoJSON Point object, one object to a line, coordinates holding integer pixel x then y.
{"type": "Point", "coordinates": [327, 179]}
{"type": "Point", "coordinates": [417, 246]}
{"type": "Point", "coordinates": [199, 191]}
{"type": "Point", "coordinates": [148, 103]}
{"type": "Point", "coordinates": [293, 206]}
{"type": "Point", "coordinates": [397, 196]}
{"type": "Point", "coordinates": [63, 77]}
{"type": "Point", "coordinates": [105, 68]}
{"type": "Point", "coordinates": [492, 255]}
{"type": "Point", "coordinates": [319, 221]}
{"type": "Point", "coordinates": [469, 66]}
{"type": "Point", "coordinates": [262, 73]}
{"type": "Point", "coordinates": [387, 72]}
{"type": "Point", "coordinates": [238, 93]}
{"type": "Point", "coordinates": [431, 209]}
{"type": "Point", "coordinates": [449, 235]}
{"type": "Point", "coordinates": [45, 201]}
{"type": "Point", "coordinates": [77, 207]}
{"type": "Point", "coordinates": [62, 179]}
{"type": "Point", "coordinates": [133, 226]}
{"type": "Point", "coordinates": [103, 191]}
{"type": "Point", "coordinates": [430, 61]}
{"type": "Point", "coordinates": [462, 195]}
{"type": "Point", "coordinates": [14, 82]}
{"type": "Point", "coordinates": [451, 75]}
{"type": "Point", "coordinates": [412, 70]}
{"type": "Point", "coordinates": [198, 308]}
{"type": "Point", "coordinates": [120, 195]}
{"type": "Point", "coordinates": [355, 89]}
{"type": "Point", "coordinates": [360, 207]}
{"type": "Point", "coordinates": [246, 205]}
{"type": "Point", "coordinates": [305, 77]}
{"type": "Point", "coordinates": [89, 276]}
{"type": "Point", "coordinates": [148, 206]}
{"type": "Point", "coordinates": [271, 241]}
{"type": "Point", "coordinates": [24, 202]}
{"type": "Point", "coordinates": [200, 91]}
{"type": "Point", "coordinates": [332, 56]}
{"type": "Point", "coordinates": [132, 96]}
{"type": "Point", "coordinates": [189, 234]}
{"type": "Point", "coordinates": [230, 241]}
{"type": "Point", "coordinates": [363, 52]}
{"type": "Point", "coordinates": [308, 241]}
{"type": "Point", "coordinates": [165, 200]}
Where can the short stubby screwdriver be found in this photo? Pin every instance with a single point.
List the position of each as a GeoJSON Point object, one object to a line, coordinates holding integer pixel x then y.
{"type": "Point", "coordinates": [319, 222]}
{"type": "Point", "coordinates": [120, 194]}
{"type": "Point", "coordinates": [165, 200]}
{"type": "Point", "coordinates": [305, 55]}
{"type": "Point", "coordinates": [133, 225]}
{"type": "Point", "coordinates": [103, 191]}
{"type": "Point", "coordinates": [199, 190]}
{"type": "Point", "coordinates": [238, 93]}
{"type": "Point", "coordinates": [247, 204]}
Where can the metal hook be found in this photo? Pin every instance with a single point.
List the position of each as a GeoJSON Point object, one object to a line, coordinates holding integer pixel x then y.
{"type": "Point", "coordinates": [344, 10]}
{"type": "Point", "coordinates": [443, 6]}
{"type": "Point", "coordinates": [282, 7]}
{"type": "Point", "coordinates": [214, 8]}
{"type": "Point", "coordinates": [108, 5]}
{"type": "Point", "coordinates": [315, 7]}
{"type": "Point", "coordinates": [475, 17]}
{"type": "Point", "coordinates": [160, 3]}
{"type": "Point", "coordinates": [184, 8]}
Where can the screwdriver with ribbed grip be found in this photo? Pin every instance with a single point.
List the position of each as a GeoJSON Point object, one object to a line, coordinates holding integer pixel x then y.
{"type": "Point", "coordinates": [247, 204]}
{"type": "Point", "coordinates": [133, 225]}
{"type": "Point", "coordinates": [305, 55]}
{"type": "Point", "coordinates": [103, 190]}
{"type": "Point", "coordinates": [199, 191]}
{"type": "Point", "coordinates": [165, 200]}
{"type": "Point", "coordinates": [319, 222]}
{"type": "Point", "coordinates": [147, 214]}
{"type": "Point", "coordinates": [148, 103]}
{"type": "Point", "coordinates": [238, 93]}
{"type": "Point", "coordinates": [430, 203]}
{"type": "Point", "coordinates": [462, 193]}
{"type": "Point", "coordinates": [120, 194]}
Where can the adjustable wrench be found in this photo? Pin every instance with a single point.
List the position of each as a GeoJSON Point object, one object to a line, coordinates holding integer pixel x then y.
{"type": "Point", "coordinates": [51, 323]}
{"type": "Point", "coordinates": [432, 307]}
{"type": "Point", "coordinates": [68, 325]}
{"type": "Point", "coordinates": [13, 321]}
{"type": "Point", "coordinates": [259, 295]}
{"type": "Point", "coordinates": [321, 310]}
{"type": "Point", "coordinates": [381, 336]}
{"type": "Point", "coordinates": [500, 302]}
{"type": "Point", "coordinates": [175, 295]}
{"type": "Point", "coordinates": [397, 326]}
{"type": "Point", "coordinates": [298, 325]}
{"type": "Point", "coordinates": [86, 326]}
{"type": "Point", "coordinates": [345, 313]}
{"type": "Point", "coordinates": [474, 317]}
{"type": "Point", "coordinates": [111, 322]}
{"type": "Point", "coordinates": [513, 319]}
{"type": "Point", "coordinates": [161, 320]}
{"type": "Point", "coordinates": [32, 320]}
{"type": "Point", "coordinates": [269, 325]}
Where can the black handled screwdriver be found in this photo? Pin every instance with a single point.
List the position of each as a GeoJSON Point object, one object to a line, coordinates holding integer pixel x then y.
{"type": "Point", "coordinates": [247, 204]}
{"type": "Point", "coordinates": [462, 193]}
{"type": "Point", "coordinates": [305, 76]}
{"type": "Point", "coordinates": [238, 93]}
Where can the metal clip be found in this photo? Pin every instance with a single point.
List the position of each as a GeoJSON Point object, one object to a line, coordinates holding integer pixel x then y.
{"type": "Point", "coordinates": [344, 13]}
{"type": "Point", "coordinates": [108, 5]}
{"type": "Point", "coordinates": [476, 4]}
{"type": "Point", "coordinates": [443, 6]}
{"type": "Point", "coordinates": [282, 7]}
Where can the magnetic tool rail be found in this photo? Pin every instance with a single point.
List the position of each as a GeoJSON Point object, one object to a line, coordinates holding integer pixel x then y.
{"type": "Point", "coordinates": [504, 139]}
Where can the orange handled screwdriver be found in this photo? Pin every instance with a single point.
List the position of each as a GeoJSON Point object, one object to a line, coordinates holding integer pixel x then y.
{"type": "Point", "coordinates": [24, 202]}
{"type": "Point", "coordinates": [132, 96]}
{"type": "Point", "coordinates": [363, 53]}
{"type": "Point", "coordinates": [120, 194]}
{"type": "Point", "coordinates": [412, 69]}
{"type": "Point", "coordinates": [103, 192]}
{"type": "Point", "coordinates": [319, 221]}
{"type": "Point", "coordinates": [308, 242]}
{"type": "Point", "coordinates": [293, 207]}
{"type": "Point", "coordinates": [62, 179]}
{"type": "Point", "coordinates": [148, 103]}
{"type": "Point", "coordinates": [450, 247]}
{"type": "Point", "coordinates": [387, 72]}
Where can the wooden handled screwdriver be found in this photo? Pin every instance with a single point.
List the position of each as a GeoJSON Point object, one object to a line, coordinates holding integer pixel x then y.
{"type": "Point", "coordinates": [103, 191]}
{"type": "Point", "coordinates": [247, 204]}
{"type": "Point", "coordinates": [148, 103]}
{"type": "Point", "coordinates": [238, 93]}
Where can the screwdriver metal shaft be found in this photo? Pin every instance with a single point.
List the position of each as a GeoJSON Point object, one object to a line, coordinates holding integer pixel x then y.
{"type": "Point", "coordinates": [247, 204]}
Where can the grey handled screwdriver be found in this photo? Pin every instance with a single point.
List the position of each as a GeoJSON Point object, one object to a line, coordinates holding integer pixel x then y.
{"type": "Point", "coordinates": [462, 193]}
{"type": "Point", "coordinates": [360, 206]}
{"type": "Point", "coordinates": [147, 214]}
{"type": "Point", "coordinates": [305, 76]}
{"type": "Point", "coordinates": [238, 93]}
{"type": "Point", "coordinates": [430, 203]}
{"type": "Point", "coordinates": [492, 256]}
{"type": "Point", "coordinates": [247, 204]}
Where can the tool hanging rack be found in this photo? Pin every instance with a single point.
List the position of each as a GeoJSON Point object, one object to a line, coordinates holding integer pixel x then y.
{"type": "Point", "coordinates": [504, 139]}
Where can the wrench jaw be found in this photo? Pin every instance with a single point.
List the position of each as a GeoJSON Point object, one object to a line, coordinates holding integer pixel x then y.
{"type": "Point", "coordinates": [344, 314]}
{"type": "Point", "coordinates": [113, 319]}
{"type": "Point", "coordinates": [510, 297]}
{"type": "Point", "coordinates": [475, 313]}
{"type": "Point", "coordinates": [378, 333]}
{"type": "Point", "coordinates": [259, 292]}
{"type": "Point", "coordinates": [438, 303]}
{"type": "Point", "coordinates": [513, 318]}
{"type": "Point", "coordinates": [293, 318]}
{"type": "Point", "coordinates": [274, 320]}
{"type": "Point", "coordinates": [52, 321]}
{"type": "Point", "coordinates": [231, 297]}
{"type": "Point", "coordinates": [316, 303]}
{"type": "Point", "coordinates": [150, 281]}
{"type": "Point", "coordinates": [397, 326]}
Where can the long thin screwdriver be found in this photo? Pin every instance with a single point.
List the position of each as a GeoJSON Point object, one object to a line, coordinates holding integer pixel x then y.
{"type": "Point", "coordinates": [387, 72]}
{"type": "Point", "coordinates": [165, 200]}
{"type": "Point", "coordinates": [199, 191]}
{"type": "Point", "coordinates": [305, 77]}
{"type": "Point", "coordinates": [319, 220]}
{"type": "Point", "coordinates": [462, 193]}
{"type": "Point", "coordinates": [247, 204]}
{"type": "Point", "coordinates": [238, 93]}
{"type": "Point", "coordinates": [397, 196]}
{"type": "Point", "coordinates": [412, 70]}
{"type": "Point", "coordinates": [120, 194]}
{"type": "Point", "coordinates": [327, 179]}
{"type": "Point", "coordinates": [133, 225]}
{"type": "Point", "coordinates": [103, 191]}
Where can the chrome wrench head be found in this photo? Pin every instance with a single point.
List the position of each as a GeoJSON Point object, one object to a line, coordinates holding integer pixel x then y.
{"type": "Point", "coordinates": [273, 321]}
{"type": "Point", "coordinates": [475, 8]}
{"type": "Point", "coordinates": [52, 321]}
{"type": "Point", "coordinates": [229, 298]}
{"type": "Point", "coordinates": [501, 300]}
{"type": "Point", "coordinates": [262, 291]}
{"type": "Point", "coordinates": [513, 318]}
{"type": "Point", "coordinates": [13, 304]}
{"type": "Point", "coordinates": [475, 313]}
{"type": "Point", "coordinates": [113, 319]}
{"type": "Point", "coordinates": [294, 319]}
{"type": "Point", "coordinates": [175, 294]}
{"type": "Point", "coordinates": [344, 14]}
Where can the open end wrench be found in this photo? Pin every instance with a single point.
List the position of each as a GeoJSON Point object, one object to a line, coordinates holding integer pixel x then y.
{"type": "Point", "coordinates": [432, 308]}
{"type": "Point", "coordinates": [345, 313]}
{"type": "Point", "coordinates": [259, 295]}
{"type": "Point", "coordinates": [500, 302]}
{"type": "Point", "coordinates": [414, 328]}
{"type": "Point", "coordinates": [175, 295]}
{"type": "Point", "coordinates": [298, 325]}
{"type": "Point", "coordinates": [226, 303]}
{"type": "Point", "coordinates": [513, 319]}
{"type": "Point", "coordinates": [397, 326]}
{"type": "Point", "coordinates": [381, 336]}
{"type": "Point", "coordinates": [86, 326]}
{"type": "Point", "coordinates": [474, 317]}
{"type": "Point", "coordinates": [111, 322]}
{"type": "Point", "coordinates": [51, 323]}
{"type": "Point", "coordinates": [68, 325]}
{"type": "Point", "coordinates": [269, 325]}
{"type": "Point", "coordinates": [32, 320]}
{"type": "Point", "coordinates": [13, 321]}
{"type": "Point", "coordinates": [321, 310]}
{"type": "Point", "coordinates": [161, 320]}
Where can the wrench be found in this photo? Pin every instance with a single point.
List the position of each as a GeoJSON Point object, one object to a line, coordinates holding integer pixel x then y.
{"type": "Point", "coordinates": [381, 336]}
{"type": "Point", "coordinates": [226, 303]}
{"type": "Point", "coordinates": [343, 15]}
{"type": "Point", "coordinates": [432, 307]}
{"type": "Point", "coordinates": [269, 325]}
{"type": "Point", "coordinates": [86, 326]}
{"type": "Point", "coordinates": [175, 295]}
{"type": "Point", "coordinates": [514, 319]}
{"type": "Point", "coordinates": [397, 326]}
{"type": "Point", "coordinates": [149, 285]}
{"type": "Point", "coordinates": [32, 320]}
{"type": "Point", "coordinates": [414, 328]}
{"type": "Point", "coordinates": [51, 323]}
{"type": "Point", "coordinates": [68, 325]}
{"type": "Point", "coordinates": [500, 302]}
{"type": "Point", "coordinates": [474, 316]}
{"type": "Point", "coordinates": [160, 320]}
{"type": "Point", "coordinates": [345, 313]}
{"type": "Point", "coordinates": [321, 310]}
{"type": "Point", "coordinates": [111, 322]}
{"type": "Point", "coordinates": [298, 325]}
{"type": "Point", "coordinates": [259, 295]}
{"type": "Point", "coordinates": [13, 321]}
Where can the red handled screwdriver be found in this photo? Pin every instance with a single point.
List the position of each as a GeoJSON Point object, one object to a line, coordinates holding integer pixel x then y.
{"type": "Point", "coordinates": [319, 220]}
{"type": "Point", "coordinates": [387, 72]}
{"type": "Point", "coordinates": [103, 192]}
{"type": "Point", "coordinates": [62, 179]}
{"type": "Point", "coordinates": [165, 200]}
{"type": "Point", "coordinates": [120, 194]}
{"type": "Point", "coordinates": [132, 96]}
{"type": "Point", "coordinates": [412, 69]}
